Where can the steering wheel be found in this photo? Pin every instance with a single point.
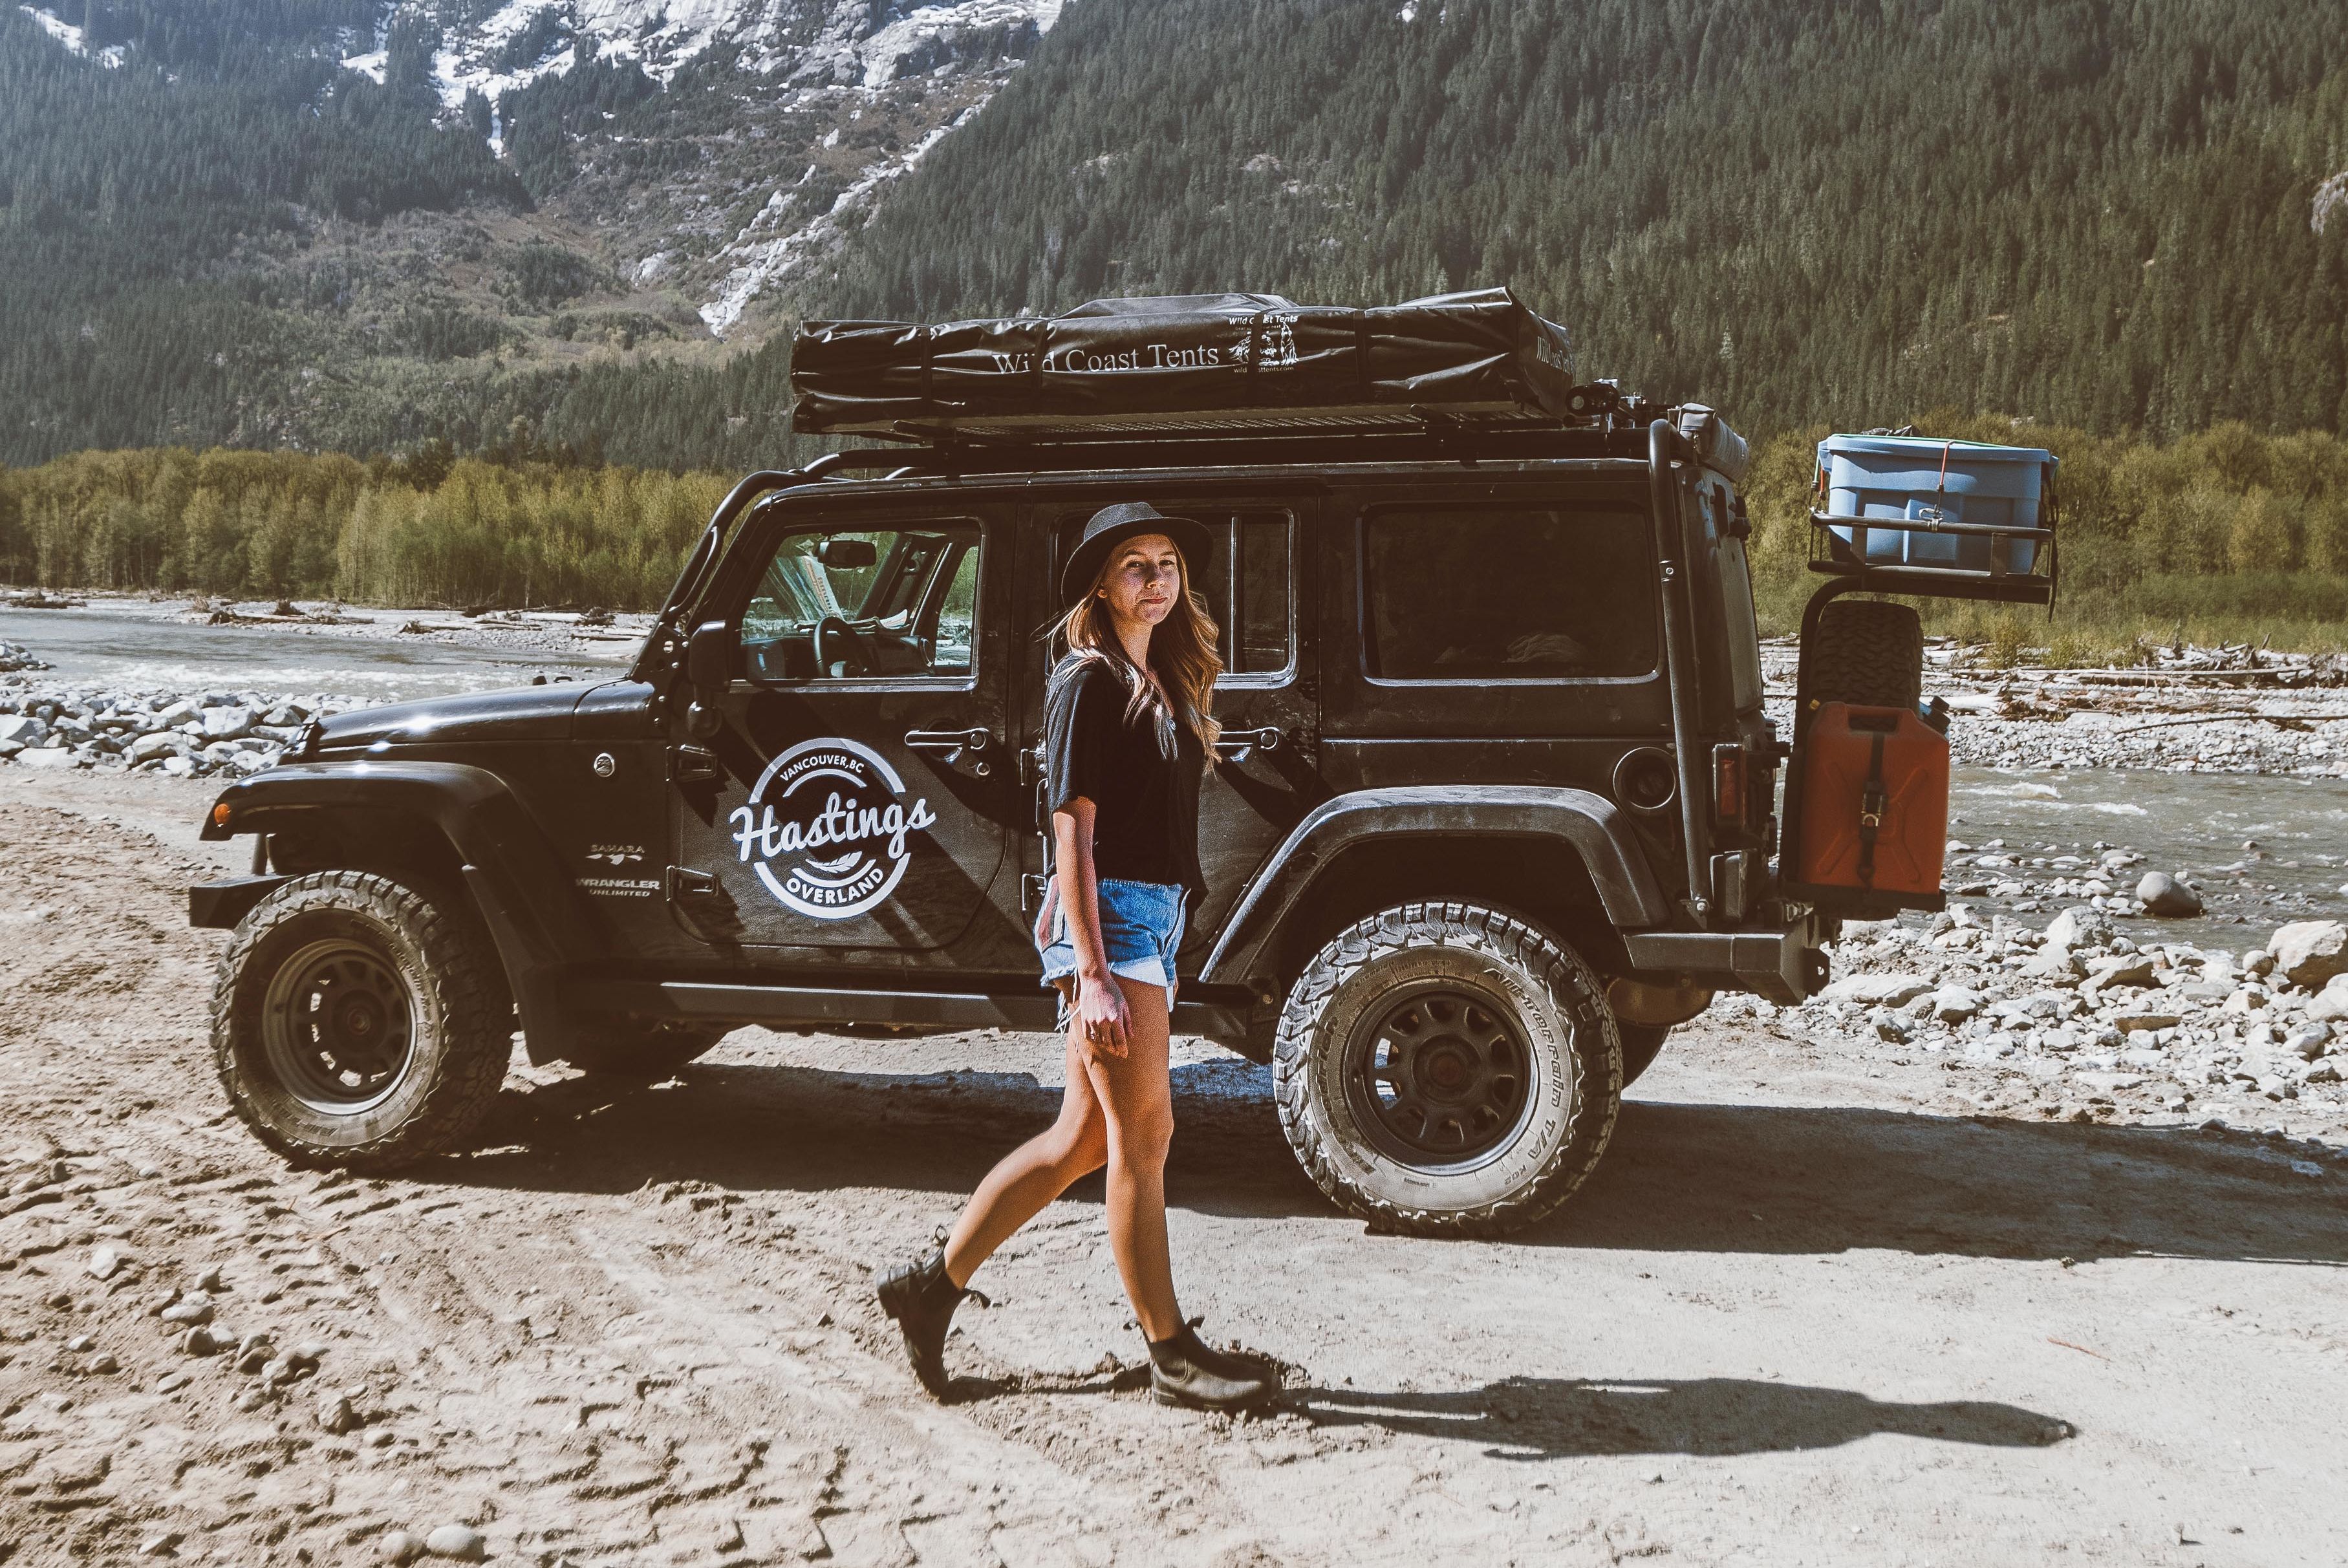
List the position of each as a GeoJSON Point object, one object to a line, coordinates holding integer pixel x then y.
{"type": "Point", "coordinates": [857, 658]}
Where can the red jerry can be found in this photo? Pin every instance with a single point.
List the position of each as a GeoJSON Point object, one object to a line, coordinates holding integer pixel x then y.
{"type": "Point", "coordinates": [1873, 827]}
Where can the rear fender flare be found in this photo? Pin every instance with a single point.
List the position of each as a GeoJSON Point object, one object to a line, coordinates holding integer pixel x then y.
{"type": "Point", "coordinates": [1592, 826]}
{"type": "Point", "coordinates": [519, 884]}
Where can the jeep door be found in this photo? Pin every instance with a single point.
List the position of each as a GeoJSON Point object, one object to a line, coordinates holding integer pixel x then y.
{"type": "Point", "coordinates": [1255, 583]}
{"type": "Point", "coordinates": [855, 799]}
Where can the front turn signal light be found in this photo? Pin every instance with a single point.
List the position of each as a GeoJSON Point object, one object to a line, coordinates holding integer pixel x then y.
{"type": "Point", "coordinates": [219, 814]}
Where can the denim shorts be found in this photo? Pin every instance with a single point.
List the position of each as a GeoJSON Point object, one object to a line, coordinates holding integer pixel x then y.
{"type": "Point", "coordinates": [1141, 926]}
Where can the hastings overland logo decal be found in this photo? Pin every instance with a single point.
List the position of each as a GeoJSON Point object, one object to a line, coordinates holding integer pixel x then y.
{"type": "Point", "coordinates": [826, 827]}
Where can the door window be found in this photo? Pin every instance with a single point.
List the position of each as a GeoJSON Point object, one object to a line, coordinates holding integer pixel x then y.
{"type": "Point", "coordinates": [884, 604]}
{"type": "Point", "coordinates": [1247, 579]}
{"type": "Point", "coordinates": [1509, 593]}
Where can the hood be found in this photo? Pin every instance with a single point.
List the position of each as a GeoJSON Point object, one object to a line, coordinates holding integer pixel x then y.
{"type": "Point", "coordinates": [534, 712]}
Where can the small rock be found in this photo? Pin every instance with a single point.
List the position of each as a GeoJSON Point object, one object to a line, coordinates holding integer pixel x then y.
{"type": "Point", "coordinates": [1877, 990]}
{"type": "Point", "coordinates": [105, 1263]}
{"type": "Point", "coordinates": [2139, 1022]}
{"type": "Point", "coordinates": [227, 723]}
{"type": "Point", "coordinates": [200, 1341]}
{"type": "Point", "coordinates": [1955, 1003]}
{"type": "Point", "coordinates": [338, 1415]}
{"type": "Point", "coordinates": [2121, 971]}
{"type": "Point", "coordinates": [2166, 897]}
{"type": "Point", "coordinates": [106, 1364]}
{"type": "Point", "coordinates": [2330, 1004]}
{"type": "Point", "coordinates": [2258, 962]}
{"type": "Point", "coordinates": [2309, 1041]}
{"type": "Point", "coordinates": [2079, 926]}
{"type": "Point", "coordinates": [461, 1541]}
{"type": "Point", "coordinates": [160, 1545]}
{"type": "Point", "coordinates": [79, 1342]}
{"type": "Point", "coordinates": [172, 1382]}
{"type": "Point", "coordinates": [2308, 953]}
{"type": "Point", "coordinates": [195, 1308]}
{"type": "Point", "coordinates": [211, 1279]}
{"type": "Point", "coordinates": [399, 1546]}
{"type": "Point", "coordinates": [2244, 1001]}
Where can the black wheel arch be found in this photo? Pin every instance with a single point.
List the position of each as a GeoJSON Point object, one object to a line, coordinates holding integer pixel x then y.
{"type": "Point", "coordinates": [1567, 860]}
{"type": "Point", "coordinates": [448, 827]}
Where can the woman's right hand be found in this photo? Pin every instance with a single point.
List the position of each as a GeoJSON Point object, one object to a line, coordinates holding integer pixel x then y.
{"type": "Point", "coordinates": [1101, 1017]}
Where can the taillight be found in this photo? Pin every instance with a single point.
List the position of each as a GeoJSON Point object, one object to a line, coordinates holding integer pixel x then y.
{"type": "Point", "coordinates": [1728, 794]}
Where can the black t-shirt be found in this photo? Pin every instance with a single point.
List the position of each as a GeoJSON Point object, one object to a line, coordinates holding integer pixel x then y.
{"type": "Point", "coordinates": [1146, 804]}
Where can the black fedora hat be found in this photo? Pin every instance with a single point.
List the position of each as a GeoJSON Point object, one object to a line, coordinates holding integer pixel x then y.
{"type": "Point", "coordinates": [1112, 526]}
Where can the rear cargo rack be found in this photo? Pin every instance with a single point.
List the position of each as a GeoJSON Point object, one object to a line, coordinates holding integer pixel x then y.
{"type": "Point", "coordinates": [1842, 547]}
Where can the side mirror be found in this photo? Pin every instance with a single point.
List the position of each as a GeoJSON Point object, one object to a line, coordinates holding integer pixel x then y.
{"type": "Point", "coordinates": [709, 657]}
{"type": "Point", "coordinates": [709, 666]}
{"type": "Point", "coordinates": [844, 555]}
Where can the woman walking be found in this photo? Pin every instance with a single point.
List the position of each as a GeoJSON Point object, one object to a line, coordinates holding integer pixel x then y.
{"type": "Point", "coordinates": [1127, 734]}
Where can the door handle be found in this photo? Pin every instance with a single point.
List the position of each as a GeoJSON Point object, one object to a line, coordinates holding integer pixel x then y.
{"type": "Point", "coordinates": [951, 744]}
{"type": "Point", "coordinates": [1237, 744]}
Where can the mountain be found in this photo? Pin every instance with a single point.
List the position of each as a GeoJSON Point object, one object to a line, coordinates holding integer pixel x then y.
{"type": "Point", "coordinates": [2117, 213]}
{"type": "Point", "coordinates": [362, 225]}
{"type": "Point", "coordinates": [575, 228]}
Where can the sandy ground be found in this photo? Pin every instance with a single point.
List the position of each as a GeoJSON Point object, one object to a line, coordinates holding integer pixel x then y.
{"type": "Point", "coordinates": [1812, 1309]}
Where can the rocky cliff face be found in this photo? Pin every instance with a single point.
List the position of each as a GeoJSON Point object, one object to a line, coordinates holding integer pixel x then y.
{"type": "Point", "coordinates": [767, 131]}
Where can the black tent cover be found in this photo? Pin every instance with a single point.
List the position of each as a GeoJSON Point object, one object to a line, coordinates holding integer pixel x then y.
{"type": "Point", "coordinates": [1186, 364]}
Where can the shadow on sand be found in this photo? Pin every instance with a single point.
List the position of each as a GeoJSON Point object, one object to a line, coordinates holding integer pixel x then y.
{"type": "Point", "coordinates": [1694, 1178]}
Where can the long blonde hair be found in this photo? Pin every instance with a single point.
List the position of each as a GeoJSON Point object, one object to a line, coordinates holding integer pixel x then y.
{"type": "Point", "coordinates": [1181, 650]}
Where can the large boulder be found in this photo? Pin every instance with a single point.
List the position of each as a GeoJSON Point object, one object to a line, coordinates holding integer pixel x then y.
{"type": "Point", "coordinates": [2164, 895]}
{"type": "Point", "coordinates": [22, 728]}
{"type": "Point", "coordinates": [2308, 953]}
{"type": "Point", "coordinates": [227, 723]}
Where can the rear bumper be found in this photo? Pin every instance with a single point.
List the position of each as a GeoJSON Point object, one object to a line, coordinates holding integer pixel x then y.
{"type": "Point", "coordinates": [1783, 963]}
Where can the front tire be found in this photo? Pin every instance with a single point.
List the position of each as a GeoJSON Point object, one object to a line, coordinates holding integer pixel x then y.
{"type": "Point", "coordinates": [360, 1022]}
{"type": "Point", "coordinates": [1444, 1069]}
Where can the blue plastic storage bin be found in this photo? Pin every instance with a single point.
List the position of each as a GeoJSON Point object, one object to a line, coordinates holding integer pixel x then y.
{"type": "Point", "coordinates": [1888, 481]}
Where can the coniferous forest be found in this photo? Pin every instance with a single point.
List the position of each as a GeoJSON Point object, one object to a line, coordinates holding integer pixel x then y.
{"type": "Point", "coordinates": [2123, 226]}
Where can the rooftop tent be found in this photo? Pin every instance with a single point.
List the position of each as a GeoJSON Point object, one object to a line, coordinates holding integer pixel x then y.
{"type": "Point", "coordinates": [1187, 364]}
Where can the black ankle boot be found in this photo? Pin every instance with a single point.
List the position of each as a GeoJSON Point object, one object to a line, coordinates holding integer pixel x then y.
{"type": "Point", "coordinates": [922, 1297]}
{"type": "Point", "coordinates": [1186, 1370]}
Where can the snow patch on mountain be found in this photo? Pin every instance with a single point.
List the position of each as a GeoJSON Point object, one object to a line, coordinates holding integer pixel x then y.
{"type": "Point", "coordinates": [759, 262]}
{"type": "Point", "coordinates": [65, 32]}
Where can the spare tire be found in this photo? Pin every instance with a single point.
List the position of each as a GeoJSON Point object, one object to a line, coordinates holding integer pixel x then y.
{"type": "Point", "coordinates": [1868, 653]}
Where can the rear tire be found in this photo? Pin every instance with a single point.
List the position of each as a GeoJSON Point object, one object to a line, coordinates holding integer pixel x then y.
{"type": "Point", "coordinates": [644, 1053]}
{"type": "Point", "coordinates": [1867, 652]}
{"type": "Point", "coordinates": [1642, 1043]}
{"type": "Point", "coordinates": [359, 1022]}
{"type": "Point", "coordinates": [1444, 1069]}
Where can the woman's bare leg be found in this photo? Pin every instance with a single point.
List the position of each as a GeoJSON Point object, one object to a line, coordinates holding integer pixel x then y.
{"type": "Point", "coordinates": [1033, 1174]}
{"type": "Point", "coordinates": [1134, 1092]}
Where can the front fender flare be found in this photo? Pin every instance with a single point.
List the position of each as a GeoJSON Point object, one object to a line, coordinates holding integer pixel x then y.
{"type": "Point", "coordinates": [517, 880]}
{"type": "Point", "coordinates": [1590, 825]}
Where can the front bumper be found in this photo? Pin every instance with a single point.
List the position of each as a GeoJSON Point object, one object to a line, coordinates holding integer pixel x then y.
{"type": "Point", "coordinates": [1783, 963]}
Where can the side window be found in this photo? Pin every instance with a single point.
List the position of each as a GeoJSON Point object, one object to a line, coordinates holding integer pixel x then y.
{"type": "Point", "coordinates": [1509, 593]}
{"type": "Point", "coordinates": [1247, 579]}
{"type": "Point", "coordinates": [866, 604]}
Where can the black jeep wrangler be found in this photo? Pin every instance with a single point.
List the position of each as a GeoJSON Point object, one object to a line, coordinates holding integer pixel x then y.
{"type": "Point", "coordinates": [1494, 807]}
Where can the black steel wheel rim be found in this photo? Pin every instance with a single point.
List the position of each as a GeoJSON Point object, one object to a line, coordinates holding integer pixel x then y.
{"type": "Point", "coordinates": [1440, 1078]}
{"type": "Point", "coordinates": [337, 1026]}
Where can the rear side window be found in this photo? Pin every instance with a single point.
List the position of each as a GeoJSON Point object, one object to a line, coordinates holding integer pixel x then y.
{"type": "Point", "coordinates": [1509, 593]}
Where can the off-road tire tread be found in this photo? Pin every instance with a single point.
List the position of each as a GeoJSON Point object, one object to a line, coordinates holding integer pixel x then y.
{"type": "Point", "coordinates": [1497, 935]}
{"type": "Point", "coordinates": [1869, 653]}
{"type": "Point", "coordinates": [466, 972]}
